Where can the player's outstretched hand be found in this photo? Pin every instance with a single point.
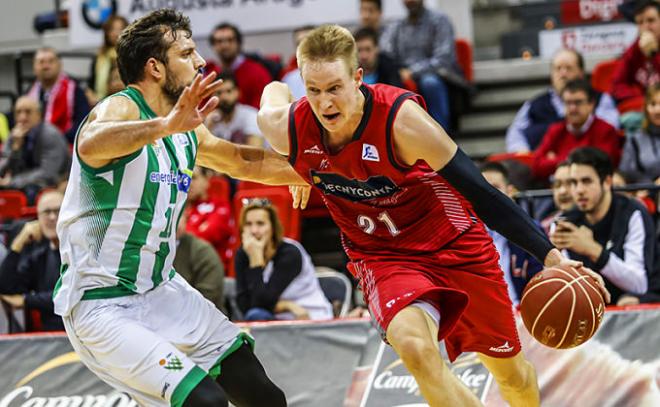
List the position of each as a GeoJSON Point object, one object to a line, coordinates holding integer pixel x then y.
{"type": "Point", "coordinates": [556, 259]}
{"type": "Point", "coordinates": [186, 114]}
{"type": "Point", "coordinates": [300, 195]}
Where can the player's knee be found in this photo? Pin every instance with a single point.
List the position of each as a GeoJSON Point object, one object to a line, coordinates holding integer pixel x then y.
{"type": "Point", "coordinates": [206, 394]}
{"type": "Point", "coordinates": [414, 350]}
{"type": "Point", "coordinates": [519, 377]}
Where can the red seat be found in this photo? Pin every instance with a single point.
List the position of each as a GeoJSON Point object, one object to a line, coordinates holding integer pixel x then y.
{"type": "Point", "coordinates": [523, 158]}
{"type": "Point", "coordinates": [281, 200]}
{"type": "Point", "coordinates": [464, 58]}
{"type": "Point", "coordinates": [12, 204]}
{"type": "Point", "coordinates": [602, 74]}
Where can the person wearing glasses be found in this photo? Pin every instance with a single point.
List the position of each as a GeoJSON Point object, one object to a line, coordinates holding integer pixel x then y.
{"type": "Point", "coordinates": [275, 277]}
{"type": "Point", "coordinates": [30, 271]}
{"type": "Point", "coordinates": [579, 128]}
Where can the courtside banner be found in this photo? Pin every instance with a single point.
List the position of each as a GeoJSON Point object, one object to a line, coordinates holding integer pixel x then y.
{"type": "Point", "coordinates": [86, 16]}
{"type": "Point", "coordinates": [344, 363]}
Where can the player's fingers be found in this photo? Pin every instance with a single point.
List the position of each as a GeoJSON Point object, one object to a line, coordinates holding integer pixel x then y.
{"type": "Point", "coordinates": [294, 190]}
{"type": "Point", "coordinates": [209, 106]}
{"type": "Point", "coordinates": [600, 282]}
{"type": "Point", "coordinates": [305, 192]}
{"type": "Point", "coordinates": [208, 79]}
{"type": "Point", "coordinates": [194, 86]}
{"type": "Point", "coordinates": [211, 88]}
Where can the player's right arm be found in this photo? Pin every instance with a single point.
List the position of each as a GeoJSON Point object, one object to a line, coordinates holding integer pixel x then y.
{"type": "Point", "coordinates": [113, 130]}
{"type": "Point", "coordinates": [273, 116]}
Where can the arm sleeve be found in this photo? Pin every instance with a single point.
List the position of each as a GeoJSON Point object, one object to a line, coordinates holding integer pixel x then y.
{"type": "Point", "coordinates": [497, 210]}
{"type": "Point", "coordinates": [515, 134]}
{"type": "Point", "coordinates": [607, 111]}
{"type": "Point", "coordinates": [628, 273]}
{"type": "Point", "coordinates": [287, 264]}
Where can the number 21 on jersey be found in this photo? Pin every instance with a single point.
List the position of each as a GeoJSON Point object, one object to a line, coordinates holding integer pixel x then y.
{"type": "Point", "coordinates": [368, 225]}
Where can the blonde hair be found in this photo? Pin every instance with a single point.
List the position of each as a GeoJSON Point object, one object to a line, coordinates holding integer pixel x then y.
{"type": "Point", "coordinates": [328, 43]}
{"type": "Point", "coordinates": [651, 91]}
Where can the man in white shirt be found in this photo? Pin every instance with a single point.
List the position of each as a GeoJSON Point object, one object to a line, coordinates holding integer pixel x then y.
{"type": "Point", "coordinates": [233, 121]}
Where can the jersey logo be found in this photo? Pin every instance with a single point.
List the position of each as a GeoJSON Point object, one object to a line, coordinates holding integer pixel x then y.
{"type": "Point", "coordinates": [375, 187]}
{"type": "Point", "coordinates": [314, 150]}
{"type": "Point", "coordinates": [370, 152]}
{"type": "Point", "coordinates": [182, 139]}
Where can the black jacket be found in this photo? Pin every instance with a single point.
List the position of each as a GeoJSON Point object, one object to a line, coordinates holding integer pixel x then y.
{"type": "Point", "coordinates": [34, 272]}
{"type": "Point", "coordinates": [388, 70]}
{"type": "Point", "coordinates": [612, 233]}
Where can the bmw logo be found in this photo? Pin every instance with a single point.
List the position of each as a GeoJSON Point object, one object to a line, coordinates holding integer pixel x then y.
{"type": "Point", "coordinates": [95, 12]}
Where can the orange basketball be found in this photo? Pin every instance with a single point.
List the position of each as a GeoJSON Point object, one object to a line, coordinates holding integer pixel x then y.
{"type": "Point", "coordinates": [562, 308]}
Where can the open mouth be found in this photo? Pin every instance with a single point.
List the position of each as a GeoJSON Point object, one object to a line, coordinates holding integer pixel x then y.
{"type": "Point", "coordinates": [331, 117]}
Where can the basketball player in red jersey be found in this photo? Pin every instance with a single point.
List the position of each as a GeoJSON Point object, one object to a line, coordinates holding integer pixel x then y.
{"type": "Point", "coordinates": [408, 203]}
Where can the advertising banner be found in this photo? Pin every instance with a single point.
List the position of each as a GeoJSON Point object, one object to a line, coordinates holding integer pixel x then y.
{"type": "Point", "coordinates": [606, 39]}
{"type": "Point", "coordinates": [86, 16]}
{"type": "Point", "coordinates": [584, 11]}
{"type": "Point", "coordinates": [344, 363]}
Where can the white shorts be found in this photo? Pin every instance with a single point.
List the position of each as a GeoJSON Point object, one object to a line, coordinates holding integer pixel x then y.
{"type": "Point", "coordinates": [155, 346]}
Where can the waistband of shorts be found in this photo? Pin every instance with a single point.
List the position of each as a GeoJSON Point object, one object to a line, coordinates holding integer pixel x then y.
{"type": "Point", "coordinates": [107, 292]}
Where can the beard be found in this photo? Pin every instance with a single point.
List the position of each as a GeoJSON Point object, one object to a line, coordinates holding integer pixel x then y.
{"type": "Point", "coordinates": [173, 87]}
{"type": "Point", "coordinates": [227, 108]}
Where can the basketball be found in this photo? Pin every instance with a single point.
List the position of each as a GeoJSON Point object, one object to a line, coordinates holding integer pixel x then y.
{"type": "Point", "coordinates": [562, 307]}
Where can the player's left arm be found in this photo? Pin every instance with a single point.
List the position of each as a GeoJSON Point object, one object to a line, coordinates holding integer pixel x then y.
{"type": "Point", "coordinates": [417, 136]}
{"type": "Point", "coordinates": [244, 162]}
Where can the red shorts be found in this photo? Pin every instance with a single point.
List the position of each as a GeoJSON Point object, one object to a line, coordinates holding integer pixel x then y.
{"type": "Point", "coordinates": [463, 281]}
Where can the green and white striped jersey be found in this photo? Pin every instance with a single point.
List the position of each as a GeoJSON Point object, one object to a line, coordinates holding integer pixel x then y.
{"type": "Point", "coordinates": [117, 225]}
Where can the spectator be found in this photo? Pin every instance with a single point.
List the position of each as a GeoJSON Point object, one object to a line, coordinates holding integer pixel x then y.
{"type": "Point", "coordinates": [36, 155]}
{"type": "Point", "coordinates": [63, 102]}
{"type": "Point", "coordinates": [560, 182]}
{"type": "Point", "coordinates": [578, 129]}
{"type": "Point", "coordinates": [209, 218]}
{"type": "Point", "coordinates": [535, 116]}
{"type": "Point", "coordinates": [234, 121]}
{"type": "Point", "coordinates": [31, 270]}
{"type": "Point", "coordinates": [423, 43]}
{"type": "Point", "coordinates": [641, 153]}
{"type": "Point", "coordinates": [275, 277]}
{"type": "Point", "coordinates": [518, 265]}
{"type": "Point", "coordinates": [610, 233]}
{"type": "Point", "coordinates": [640, 64]}
{"type": "Point", "coordinates": [291, 75]}
{"type": "Point", "coordinates": [198, 263]}
{"type": "Point", "coordinates": [251, 77]}
{"type": "Point", "coordinates": [371, 15]}
{"type": "Point", "coordinates": [105, 60]}
{"type": "Point", "coordinates": [378, 67]}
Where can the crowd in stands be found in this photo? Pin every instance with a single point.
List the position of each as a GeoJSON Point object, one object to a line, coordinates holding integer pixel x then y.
{"type": "Point", "coordinates": [236, 252]}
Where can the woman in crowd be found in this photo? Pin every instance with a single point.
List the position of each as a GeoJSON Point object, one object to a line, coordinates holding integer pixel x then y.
{"type": "Point", "coordinates": [641, 154]}
{"type": "Point", "coordinates": [105, 60]}
{"type": "Point", "coordinates": [275, 277]}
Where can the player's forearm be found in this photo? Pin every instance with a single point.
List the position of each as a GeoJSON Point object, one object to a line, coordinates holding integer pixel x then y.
{"type": "Point", "coordinates": [266, 167]}
{"type": "Point", "coordinates": [108, 140]}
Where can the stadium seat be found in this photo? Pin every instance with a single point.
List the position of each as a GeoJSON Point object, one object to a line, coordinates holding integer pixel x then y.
{"type": "Point", "coordinates": [601, 76]}
{"type": "Point", "coordinates": [12, 204]}
{"type": "Point", "coordinates": [337, 289]}
{"type": "Point", "coordinates": [464, 58]}
{"type": "Point", "coordinates": [281, 200]}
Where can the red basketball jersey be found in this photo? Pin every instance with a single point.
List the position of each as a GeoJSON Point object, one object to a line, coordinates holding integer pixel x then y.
{"type": "Point", "coordinates": [382, 206]}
